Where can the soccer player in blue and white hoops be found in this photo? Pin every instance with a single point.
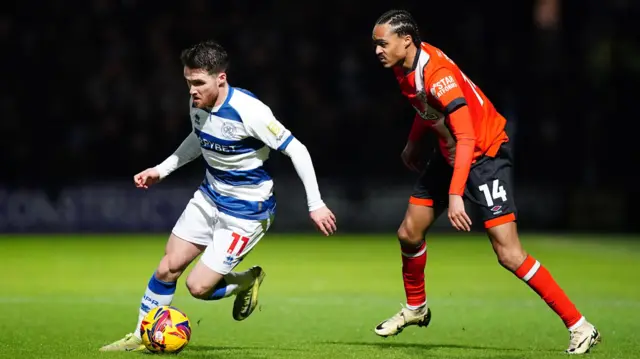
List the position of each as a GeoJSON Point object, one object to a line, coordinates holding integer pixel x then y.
{"type": "Point", "coordinates": [234, 206]}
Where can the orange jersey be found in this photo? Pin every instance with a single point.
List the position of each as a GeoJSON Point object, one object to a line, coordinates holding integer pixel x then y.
{"type": "Point", "coordinates": [446, 101]}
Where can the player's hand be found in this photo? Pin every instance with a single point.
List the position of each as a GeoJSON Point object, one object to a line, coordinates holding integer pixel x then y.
{"type": "Point", "coordinates": [457, 214]}
{"type": "Point", "coordinates": [146, 178]}
{"type": "Point", "coordinates": [324, 220]}
{"type": "Point", "coordinates": [411, 157]}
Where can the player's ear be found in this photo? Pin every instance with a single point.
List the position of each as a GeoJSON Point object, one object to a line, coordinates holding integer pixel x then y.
{"type": "Point", "coordinates": [407, 41]}
{"type": "Point", "coordinates": [222, 78]}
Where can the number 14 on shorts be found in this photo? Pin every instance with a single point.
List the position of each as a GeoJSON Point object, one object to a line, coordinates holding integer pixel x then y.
{"type": "Point", "coordinates": [497, 192]}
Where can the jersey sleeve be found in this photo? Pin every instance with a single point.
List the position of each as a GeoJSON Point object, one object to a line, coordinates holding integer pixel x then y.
{"type": "Point", "coordinates": [266, 128]}
{"type": "Point", "coordinates": [447, 92]}
{"type": "Point", "coordinates": [462, 129]}
{"type": "Point", "coordinates": [188, 151]}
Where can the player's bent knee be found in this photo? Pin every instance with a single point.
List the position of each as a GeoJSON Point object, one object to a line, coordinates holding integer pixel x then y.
{"type": "Point", "coordinates": [510, 254]}
{"type": "Point", "coordinates": [507, 246]}
{"type": "Point", "coordinates": [169, 269]}
{"type": "Point", "coordinates": [202, 281]}
{"type": "Point", "coordinates": [511, 258]}
{"type": "Point", "coordinates": [409, 235]}
{"type": "Point", "coordinates": [416, 223]}
{"type": "Point", "coordinates": [198, 290]}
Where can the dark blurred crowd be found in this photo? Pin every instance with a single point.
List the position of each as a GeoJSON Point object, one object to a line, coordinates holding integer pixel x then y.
{"type": "Point", "coordinates": [94, 91]}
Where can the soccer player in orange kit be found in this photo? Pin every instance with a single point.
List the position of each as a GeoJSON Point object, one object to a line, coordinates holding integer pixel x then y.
{"type": "Point", "coordinates": [474, 163]}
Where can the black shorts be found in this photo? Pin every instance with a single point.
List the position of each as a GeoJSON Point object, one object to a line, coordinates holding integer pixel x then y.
{"type": "Point", "coordinates": [488, 187]}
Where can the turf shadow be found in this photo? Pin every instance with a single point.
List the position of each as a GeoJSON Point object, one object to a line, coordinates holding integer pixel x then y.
{"type": "Point", "coordinates": [427, 346]}
{"type": "Point", "coordinates": [231, 352]}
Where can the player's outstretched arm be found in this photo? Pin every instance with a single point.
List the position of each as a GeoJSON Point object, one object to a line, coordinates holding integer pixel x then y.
{"type": "Point", "coordinates": [261, 124]}
{"type": "Point", "coordinates": [188, 150]}
{"type": "Point", "coordinates": [321, 216]}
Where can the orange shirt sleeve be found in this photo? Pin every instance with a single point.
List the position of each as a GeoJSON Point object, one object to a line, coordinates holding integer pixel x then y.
{"type": "Point", "coordinates": [449, 95]}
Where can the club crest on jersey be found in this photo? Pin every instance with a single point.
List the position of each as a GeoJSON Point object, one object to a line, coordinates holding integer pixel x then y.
{"type": "Point", "coordinates": [196, 119]}
{"type": "Point", "coordinates": [228, 130]}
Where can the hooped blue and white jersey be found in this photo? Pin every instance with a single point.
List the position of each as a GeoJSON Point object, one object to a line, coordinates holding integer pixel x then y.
{"type": "Point", "coordinates": [236, 138]}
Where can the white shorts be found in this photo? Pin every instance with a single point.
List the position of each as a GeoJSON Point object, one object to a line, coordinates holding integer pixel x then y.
{"type": "Point", "coordinates": [228, 239]}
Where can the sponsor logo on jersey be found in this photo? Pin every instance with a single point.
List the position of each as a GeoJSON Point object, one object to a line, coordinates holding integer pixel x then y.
{"type": "Point", "coordinates": [444, 85]}
{"type": "Point", "coordinates": [277, 129]}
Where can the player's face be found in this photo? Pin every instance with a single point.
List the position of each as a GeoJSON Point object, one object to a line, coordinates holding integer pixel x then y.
{"type": "Point", "coordinates": [391, 49]}
{"type": "Point", "coordinates": [203, 86]}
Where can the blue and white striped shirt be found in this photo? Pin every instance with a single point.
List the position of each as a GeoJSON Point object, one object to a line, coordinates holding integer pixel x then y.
{"type": "Point", "coordinates": [236, 138]}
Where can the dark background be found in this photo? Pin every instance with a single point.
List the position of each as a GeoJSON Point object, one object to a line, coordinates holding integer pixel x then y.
{"type": "Point", "coordinates": [93, 93]}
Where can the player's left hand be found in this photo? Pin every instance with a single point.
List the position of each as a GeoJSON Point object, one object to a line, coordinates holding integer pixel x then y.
{"type": "Point", "coordinates": [457, 214]}
{"type": "Point", "coordinates": [324, 220]}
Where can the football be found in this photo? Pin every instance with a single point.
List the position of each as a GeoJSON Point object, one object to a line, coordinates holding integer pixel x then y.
{"type": "Point", "coordinates": [165, 329]}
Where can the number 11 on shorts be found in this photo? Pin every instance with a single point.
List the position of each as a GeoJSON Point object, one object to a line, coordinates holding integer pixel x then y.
{"type": "Point", "coordinates": [237, 238]}
{"type": "Point", "coordinates": [496, 192]}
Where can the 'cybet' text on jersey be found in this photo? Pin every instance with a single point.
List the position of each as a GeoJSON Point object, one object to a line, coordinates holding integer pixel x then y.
{"type": "Point", "coordinates": [217, 147]}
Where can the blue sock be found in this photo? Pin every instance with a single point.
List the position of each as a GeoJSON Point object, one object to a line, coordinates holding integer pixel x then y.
{"type": "Point", "coordinates": [158, 293]}
{"type": "Point", "coordinates": [222, 290]}
{"type": "Point", "coordinates": [231, 284]}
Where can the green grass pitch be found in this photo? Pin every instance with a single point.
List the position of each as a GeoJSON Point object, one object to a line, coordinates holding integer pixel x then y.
{"type": "Point", "coordinates": [65, 296]}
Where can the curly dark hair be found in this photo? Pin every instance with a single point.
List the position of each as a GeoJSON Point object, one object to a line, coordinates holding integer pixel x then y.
{"type": "Point", "coordinates": [402, 23]}
{"type": "Point", "coordinates": [207, 55]}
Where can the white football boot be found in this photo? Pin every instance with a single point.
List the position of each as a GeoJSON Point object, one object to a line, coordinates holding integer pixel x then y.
{"type": "Point", "coordinates": [130, 343]}
{"type": "Point", "coordinates": [406, 317]}
{"type": "Point", "coordinates": [583, 338]}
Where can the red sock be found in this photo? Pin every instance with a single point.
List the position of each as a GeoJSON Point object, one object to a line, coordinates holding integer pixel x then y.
{"type": "Point", "coordinates": [540, 280]}
{"type": "Point", "coordinates": [414, 260]}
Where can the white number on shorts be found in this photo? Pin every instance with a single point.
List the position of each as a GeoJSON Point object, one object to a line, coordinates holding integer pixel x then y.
{"type": "Point", "coordinates": [497, 192]}
{"type": "Point", "coordinates": [237, 238]}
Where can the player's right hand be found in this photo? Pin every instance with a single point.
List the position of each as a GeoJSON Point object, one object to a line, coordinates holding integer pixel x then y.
{"type": "Point", "coordinates": [146, 178]}
{"type": "Point", "coordinates": [324, 220]}
{"type": "Point", "coordinates": [457, 214]}
{"type": "Point", "coordinates": [411, 157]}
